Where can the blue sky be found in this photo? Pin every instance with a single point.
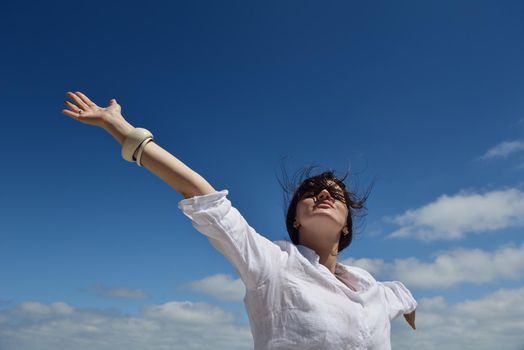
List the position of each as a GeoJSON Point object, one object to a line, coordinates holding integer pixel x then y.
{"type": "Point", "coordinates": [426, 97]}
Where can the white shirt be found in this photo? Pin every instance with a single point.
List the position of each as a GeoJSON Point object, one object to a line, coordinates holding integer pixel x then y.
{"type": "Point", "coordinates": [293, 301]}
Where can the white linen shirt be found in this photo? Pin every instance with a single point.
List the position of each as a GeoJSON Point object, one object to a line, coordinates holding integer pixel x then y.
{"type": "Point", "coordinates": [293, 301]}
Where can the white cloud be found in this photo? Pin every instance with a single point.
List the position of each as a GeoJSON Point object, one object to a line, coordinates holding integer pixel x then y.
{"type": "Point", "coordinates": [504, 149]}
{"type": "Point", "coordinates": [449, 268]}
{"type": "Point", "coordinates": [453, 217]}
{"type": "Point", "coordinates": [461, 266]}
{"type": "Point", "coordinates": [220, 286]}
{"type": "Point", "coordinates": [42, 310]}
{"type": "Point", "coordinates": [376, 267]}
{"type": "Point", "coordinates": [188, 312]}
{"type": "Point", "coordinates": [117, 293]}
{"type": "Point", "coordinates": [495, 321]}
{"type": "Point", "coordinates": [173, 325]}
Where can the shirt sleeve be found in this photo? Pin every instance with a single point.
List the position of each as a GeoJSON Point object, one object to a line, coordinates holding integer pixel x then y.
{"type": "Point", "coordinates": [252, 255]}
{"type": "Point", "coordinates": [398, 298]}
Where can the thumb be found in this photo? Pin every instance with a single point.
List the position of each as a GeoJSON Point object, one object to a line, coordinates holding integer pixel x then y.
{"type": "Point", "coordinates": [112, 101]}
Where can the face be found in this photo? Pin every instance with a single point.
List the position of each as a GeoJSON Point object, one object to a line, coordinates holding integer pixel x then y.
{"type": "Point", "coordinates": [320, 221]}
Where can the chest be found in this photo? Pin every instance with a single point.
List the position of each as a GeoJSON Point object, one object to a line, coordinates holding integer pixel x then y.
{"type": "Point", "coordinates": [321, 293]}
{"type": "Point", "coordinates": [320, 310]}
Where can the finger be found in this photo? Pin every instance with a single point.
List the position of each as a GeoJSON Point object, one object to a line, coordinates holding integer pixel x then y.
{"type": "Point", "coordinates": [85, 99]}
{"type": "Point", "coordinates": [77, 100]}
{"type": "Point", "coordinates": [69, 113]}
{"type": "Point", "coordinates": [72, 106]}
{"type": "Point", "coordinates": [79, 103]}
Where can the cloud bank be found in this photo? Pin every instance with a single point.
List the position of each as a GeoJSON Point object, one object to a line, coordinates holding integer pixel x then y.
{"type": "Point", "coordinates": [491, 322]}
{"type": "Point", "coordinates": [495, 321]}
{"type": "Point", "coordinates": [173, 325]}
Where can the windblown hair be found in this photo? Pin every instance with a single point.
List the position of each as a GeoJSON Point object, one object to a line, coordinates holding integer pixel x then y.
{"type": "Point", "coordinates": [315, 184]}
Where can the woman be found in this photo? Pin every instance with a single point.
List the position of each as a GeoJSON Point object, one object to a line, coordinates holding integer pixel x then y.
{"type": "Point", "coordinates": [297, 295]}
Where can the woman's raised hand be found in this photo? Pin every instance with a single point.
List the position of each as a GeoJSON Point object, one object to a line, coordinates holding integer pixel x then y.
{"type": "Point", "coordinates": [87, 112]}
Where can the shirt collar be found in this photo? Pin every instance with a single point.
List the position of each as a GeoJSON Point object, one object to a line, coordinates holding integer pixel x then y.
{"type": "Point", "coordinates": [308, 253]}
{"type": "Point", "coordinates": [312, 256]}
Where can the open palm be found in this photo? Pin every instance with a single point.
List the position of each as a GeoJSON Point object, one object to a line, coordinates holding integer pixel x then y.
{"type": "Point", "coordinates": [86, 111]}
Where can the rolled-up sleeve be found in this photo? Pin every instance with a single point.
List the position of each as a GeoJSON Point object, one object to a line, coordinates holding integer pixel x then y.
{"type": "Point", "coordinates": [398, 298]}
{"type": "Point", "coordinates": [252, 255]}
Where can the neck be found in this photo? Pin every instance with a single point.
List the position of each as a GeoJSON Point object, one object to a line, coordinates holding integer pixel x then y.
{"type": "Point", "coordinates": [328, 258]}
{"type": "Point", "coordinates": [327, 254]}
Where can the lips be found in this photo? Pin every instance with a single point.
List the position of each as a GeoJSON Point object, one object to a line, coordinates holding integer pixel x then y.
{"type": "Point", "coordinates": [324, 204]}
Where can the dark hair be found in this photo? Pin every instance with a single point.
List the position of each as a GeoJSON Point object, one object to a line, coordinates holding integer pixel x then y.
{"type": "Point", "coordinates": [317, 183]}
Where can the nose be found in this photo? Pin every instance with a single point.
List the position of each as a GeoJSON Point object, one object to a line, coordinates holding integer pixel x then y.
{"type": "Point", "coordinates": [323, 195]}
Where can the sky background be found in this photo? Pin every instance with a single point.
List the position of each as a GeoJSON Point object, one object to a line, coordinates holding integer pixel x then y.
{"type": "Point", "coordinates": [424, 97]}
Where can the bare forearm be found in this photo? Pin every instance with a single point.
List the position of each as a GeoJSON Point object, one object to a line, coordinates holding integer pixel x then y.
{"type": "Point", "coordinates": [174, 172]}
{"type": "Point", "coordinates": [164, 165]}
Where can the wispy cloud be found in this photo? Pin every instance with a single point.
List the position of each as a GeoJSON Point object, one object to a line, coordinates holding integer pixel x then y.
{"type": "Point", "coordinates": [504, 149]}
{"type": "Point", "coordinates": [519, 122]}
{"type": "Point", "coordinates": [495, 321]}
{"type": "Point", "coordinates": [449, 268]}
{"type": "Point", "coordinates": [219, 286]}
{"type": "Point", "coordinates": [173, 325]}
{"type": "Point", "coordinates": [117, 292]}
{"type": "Point", "coordinates": [38, 310]}
{"type": "Point", "coordinates": [453, 217]}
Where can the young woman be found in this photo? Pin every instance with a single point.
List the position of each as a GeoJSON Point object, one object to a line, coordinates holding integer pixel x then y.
{"type": "Point", "coordinates": [297, 295]}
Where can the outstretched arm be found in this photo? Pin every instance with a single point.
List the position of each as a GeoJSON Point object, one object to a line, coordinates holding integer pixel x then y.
{"type": "Point", "coordinates": [212, 213]}
{"type": "Point", "coordinates": [157, 160]}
